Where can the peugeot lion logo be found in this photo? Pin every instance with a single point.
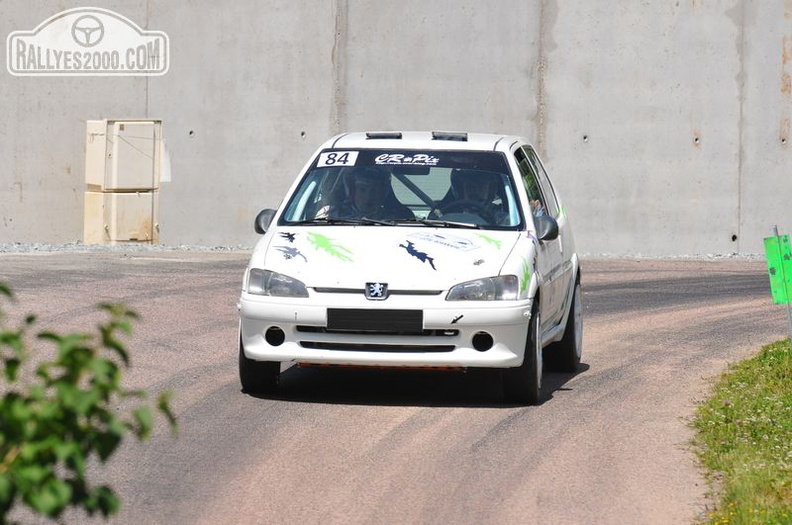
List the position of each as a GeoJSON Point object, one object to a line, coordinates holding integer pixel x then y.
{"type": "Point", "coordinates": [376, 291]}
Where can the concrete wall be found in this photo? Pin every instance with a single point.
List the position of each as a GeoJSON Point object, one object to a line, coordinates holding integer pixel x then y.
{"type": "Point", "coordinates": [667, 123]}
{"type": "Point", "coordinates": [665, 126]}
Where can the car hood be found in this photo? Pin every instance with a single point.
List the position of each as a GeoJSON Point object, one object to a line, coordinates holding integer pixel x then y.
{"type": "Point", "coordinates": [404, 257]}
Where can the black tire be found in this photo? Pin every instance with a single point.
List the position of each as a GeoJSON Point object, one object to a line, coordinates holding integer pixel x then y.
{"type": "Point", "coordinates": [523, 384]}
{"type": "Point", "coordinates": [564, 356]}
{"type": "Point", "coordinates": [258, 377]}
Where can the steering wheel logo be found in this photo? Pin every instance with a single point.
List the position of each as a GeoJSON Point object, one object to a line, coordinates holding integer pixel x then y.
{"type": "Point", "coordinates": [87, 31]}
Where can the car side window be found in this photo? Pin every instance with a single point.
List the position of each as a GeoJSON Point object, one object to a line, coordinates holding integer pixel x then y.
{"type": "Point", "coordinates": [544, 182]}
{"type": "Point", "coordinates": [529, 179]}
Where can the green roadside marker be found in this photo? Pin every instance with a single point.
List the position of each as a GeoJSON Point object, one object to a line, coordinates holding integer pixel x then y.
{"type": "Point", "coordinates": [779, 267]}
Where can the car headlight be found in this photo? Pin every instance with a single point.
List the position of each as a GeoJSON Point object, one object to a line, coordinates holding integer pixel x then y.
{"type": "Point", "coordinates": [501, 288]}
{"type": "Point", "coordinates": [265, 282]}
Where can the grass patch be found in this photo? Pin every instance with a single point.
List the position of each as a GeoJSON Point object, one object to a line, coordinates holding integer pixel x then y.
{"type": "Point", "coordinates": [744, 439]}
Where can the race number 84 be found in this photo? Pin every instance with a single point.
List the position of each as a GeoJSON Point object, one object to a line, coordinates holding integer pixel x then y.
{"type": "Point", "coordinates": [337, 158]}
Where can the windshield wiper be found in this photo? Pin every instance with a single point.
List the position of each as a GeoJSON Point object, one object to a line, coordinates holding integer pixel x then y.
{"type": "Point", "coordinates": [346, 220]}
{"type": "Point", "coordinates": [440, 223]}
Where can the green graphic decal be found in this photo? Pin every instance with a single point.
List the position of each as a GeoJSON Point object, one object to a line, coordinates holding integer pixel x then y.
{"type": "Point", "coordinates": [779, 266]}
{"type": "Point", "coordinates": [321, 242]}
{"type": "Point", "coordinates": [490, 240]}
{"type": "Point", "coordinates": [526, 277]}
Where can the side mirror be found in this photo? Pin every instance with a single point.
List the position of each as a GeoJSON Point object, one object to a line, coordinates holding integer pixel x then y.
{"type": "Point", "coordinates": [263, 220]}
{"type": "Point", "coordinates": [546, 228]}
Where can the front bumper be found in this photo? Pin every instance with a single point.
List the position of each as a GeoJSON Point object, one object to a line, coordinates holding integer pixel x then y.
{"type": "Point", "coordinates": [452, 332]}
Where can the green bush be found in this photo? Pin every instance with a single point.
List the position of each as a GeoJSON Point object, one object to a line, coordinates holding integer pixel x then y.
{"type": "Point", "coordinates": [57, 414]}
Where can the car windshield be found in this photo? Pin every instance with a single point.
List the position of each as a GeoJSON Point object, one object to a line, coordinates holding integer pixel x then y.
{"type": "Point", "coordinates": [395, 187]}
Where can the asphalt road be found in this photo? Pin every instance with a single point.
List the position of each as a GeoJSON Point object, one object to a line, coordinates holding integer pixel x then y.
{"type": "Point", "coordinates": [608, 445]}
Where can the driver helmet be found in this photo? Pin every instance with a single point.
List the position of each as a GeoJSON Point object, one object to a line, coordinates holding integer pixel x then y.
{"type": "Point", "coordinates": [367, 188]}
{"type": "Point", "coordinates": [368, 176]}
{"type": "Point", "coordinates": [474, 185]}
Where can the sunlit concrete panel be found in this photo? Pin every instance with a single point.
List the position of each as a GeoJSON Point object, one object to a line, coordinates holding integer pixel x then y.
{"type": "Point", "coordinates": [641, 124]}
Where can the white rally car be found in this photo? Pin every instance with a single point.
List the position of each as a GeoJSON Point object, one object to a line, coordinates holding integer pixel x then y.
{"type": "Point", "coordinates": [415, 249]}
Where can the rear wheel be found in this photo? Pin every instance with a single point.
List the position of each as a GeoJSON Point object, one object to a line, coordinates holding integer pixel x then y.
{"type": "Point", "coordinates": [564, 356]}
{"type": "Point", "coordinates": [524, 383]}
{"type": "Point", "coordinates": [257, 377]}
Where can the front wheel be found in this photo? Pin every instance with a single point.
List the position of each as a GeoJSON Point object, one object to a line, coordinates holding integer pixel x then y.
{"type": "Point", "coordinates": [524, 383]}
{"type": "Point", "coordinates": [564, 356]}
{"type": "Point", "coordinates": [257, 377]}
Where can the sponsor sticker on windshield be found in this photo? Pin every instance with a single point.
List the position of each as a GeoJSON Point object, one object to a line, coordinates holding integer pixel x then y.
{"type": "Point", "coordinates": [399, 159]}
{"type": "Point", "coordinates": [337, 158]}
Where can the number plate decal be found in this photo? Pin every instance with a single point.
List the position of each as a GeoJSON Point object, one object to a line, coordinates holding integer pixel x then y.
{"type": "Point", "coordinates": [337, 158]}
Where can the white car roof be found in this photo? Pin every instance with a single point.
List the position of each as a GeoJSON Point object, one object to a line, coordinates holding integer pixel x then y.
{"type": "Point", "coordinates": [425, 140]}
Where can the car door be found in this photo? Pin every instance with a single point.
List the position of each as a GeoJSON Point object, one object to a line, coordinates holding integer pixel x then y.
{"type": "Point", "coordinates": [562, 279]}
{"type": "Point", "coordinates": [549, 252]}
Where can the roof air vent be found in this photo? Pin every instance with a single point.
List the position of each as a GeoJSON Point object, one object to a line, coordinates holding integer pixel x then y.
{"type": "Point", "coordinates": [384, 135]}
{"type": "Point", "coordinates": [449, 135]}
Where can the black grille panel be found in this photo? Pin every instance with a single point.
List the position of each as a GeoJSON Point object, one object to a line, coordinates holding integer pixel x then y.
{"type": "Point", "coordinates": [425, 333]}
{"type": "Point", "coordinates": [374, 320]}
{"type": "Point", "coordinates": [361, 347]}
